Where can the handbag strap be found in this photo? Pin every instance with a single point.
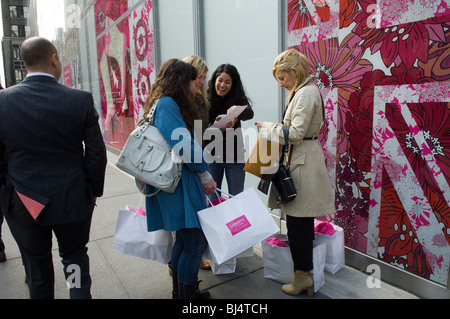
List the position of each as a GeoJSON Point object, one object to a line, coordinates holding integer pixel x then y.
{"type": "Point", "coordinates": [151, 113]}
{"type": "Point", "coordinates": [287, 150]}
{"type": "Point", "coordinates": [141, 187]}
{"type": "Point", "coordinates": [286, 139]}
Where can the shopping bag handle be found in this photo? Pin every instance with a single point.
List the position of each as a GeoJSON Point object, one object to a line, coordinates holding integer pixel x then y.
{"type": "Point", "coordinates": [217, 194]}
{"type": "Point", "coordinates": [218, 189]}
{"type": "Point", "coordinates": [229, 195]}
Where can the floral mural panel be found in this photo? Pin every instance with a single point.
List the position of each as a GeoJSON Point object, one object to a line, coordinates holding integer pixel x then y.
{"type": "Point", "coordinates": [142, 56]}
{"type": "Point", "coordinates": [409, 137]}
{"type": "Point", "coordinates": [312, 20]}
{"type": "Point", "coordinates": [393, 12]}
{"type": "Point", "coordinates": [387, 136]}
{"type": "Point", "coordinates": [125, 51]}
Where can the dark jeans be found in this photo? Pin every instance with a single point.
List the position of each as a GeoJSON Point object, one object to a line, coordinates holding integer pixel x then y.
{"type": "Point", "coordinates": [234, 173]}
{"type": "Point", "coordinates": [2, 245]}
{"type": "Point", "coordinates": [301, 237]}
{"type": "Point", "coordinates": [187, 253]}
{"type": "Point", "coordinates": [35, 245]}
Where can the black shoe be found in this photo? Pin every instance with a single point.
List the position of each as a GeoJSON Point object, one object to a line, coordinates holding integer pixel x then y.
{"type": "Point", "coordinates": [192, 292]}
{"type": "Point", "coordinates": [185, 291]}
{"type": "Point", "coordinates": [201, 294]}
{"type": "Point", "coordinates": [2, 256]}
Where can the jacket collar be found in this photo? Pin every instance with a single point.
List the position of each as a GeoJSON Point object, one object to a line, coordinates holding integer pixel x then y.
{"type": "Point", "coordinates": [307, 81]}
{"type": "Point", "coordinates": [40, 78]}
{"type": "Point", "coordinates": [40, 73]}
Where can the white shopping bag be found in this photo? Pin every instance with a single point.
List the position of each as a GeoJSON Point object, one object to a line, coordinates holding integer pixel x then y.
{"type": "Point", "coordinates": [335, 259]}
{"type": "Point", "coordinates": [319, 255]}
{"type": "Point", "coordinates": [236, 225]}
{"type": "Point", "coordinates": [132, 237]}
{"type": "Point", "coordinates": [279, 266]}
{"type": "Point", "coordinates": [229, 266]}
{"type": "Point", "coordinates": [277, 260]}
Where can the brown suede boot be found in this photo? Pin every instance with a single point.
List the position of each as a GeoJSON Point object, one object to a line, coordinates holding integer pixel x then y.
{"type": "Point", "coordinates": [302, 281]}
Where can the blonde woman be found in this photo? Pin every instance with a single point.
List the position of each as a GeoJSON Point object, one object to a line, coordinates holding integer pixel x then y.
{"type": "Point", "coordinates": [200, 95]}
{"type": "Point", "coordinates": [202, 101]}
{"type": "Point", "coordinates": [304, 117]}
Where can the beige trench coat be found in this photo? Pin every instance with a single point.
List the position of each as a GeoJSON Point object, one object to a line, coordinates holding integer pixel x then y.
{"type": "Point", "coordinates": [304, 117]}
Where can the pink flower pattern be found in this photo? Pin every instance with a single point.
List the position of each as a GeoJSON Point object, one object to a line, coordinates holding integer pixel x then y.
{"type": "Point", "coordinates": [400, 52]}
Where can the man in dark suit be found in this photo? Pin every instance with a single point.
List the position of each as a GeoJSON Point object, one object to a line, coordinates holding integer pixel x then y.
{"type": "Point", "coordinates": [54, 159]}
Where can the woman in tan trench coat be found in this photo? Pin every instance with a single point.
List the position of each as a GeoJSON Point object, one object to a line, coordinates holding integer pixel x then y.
{"type": "Point", "coordinates": [304, 116]}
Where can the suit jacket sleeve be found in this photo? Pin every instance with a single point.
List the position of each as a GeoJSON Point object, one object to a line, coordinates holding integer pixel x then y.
{"type": "Point", "coordinates": [3, 165]}
{"type": "Point", "coordinates": [94, 153]}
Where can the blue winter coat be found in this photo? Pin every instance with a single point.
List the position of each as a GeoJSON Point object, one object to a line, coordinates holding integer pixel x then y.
{"type": "Point", "coordinates": [178, 210]}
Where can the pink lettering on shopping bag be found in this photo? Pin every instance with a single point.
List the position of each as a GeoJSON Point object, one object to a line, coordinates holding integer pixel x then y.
{"type": "Point", "coordinates": [238, 225]}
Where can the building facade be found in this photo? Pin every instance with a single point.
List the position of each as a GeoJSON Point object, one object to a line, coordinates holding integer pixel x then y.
{"type": "Point", "coordinates": [17, 26]}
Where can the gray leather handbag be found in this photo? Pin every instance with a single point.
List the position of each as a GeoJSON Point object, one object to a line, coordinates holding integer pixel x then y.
{"type": "Point", "coordinates": [149, 158]}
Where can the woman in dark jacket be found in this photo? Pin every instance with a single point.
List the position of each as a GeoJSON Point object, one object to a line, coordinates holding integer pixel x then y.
{"type": "Point", "coordinates": [225, 90]}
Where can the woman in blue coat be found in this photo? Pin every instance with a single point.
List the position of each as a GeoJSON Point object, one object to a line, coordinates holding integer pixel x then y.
{"type": "Point", "coordinates": [174, 117]}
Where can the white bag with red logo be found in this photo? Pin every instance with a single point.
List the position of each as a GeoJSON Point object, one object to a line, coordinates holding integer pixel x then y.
{"type": "Point", "coordinates": [237, 224]}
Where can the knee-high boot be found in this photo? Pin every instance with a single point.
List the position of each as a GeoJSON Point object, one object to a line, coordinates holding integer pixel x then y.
{"type": "Point", "coordinates": [175, 285]}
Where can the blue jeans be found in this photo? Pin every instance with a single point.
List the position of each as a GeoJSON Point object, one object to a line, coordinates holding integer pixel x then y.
{"type": "Point", "coordinates": [234, 173]}
{"type": "Point", "coordinates": [187, 253]}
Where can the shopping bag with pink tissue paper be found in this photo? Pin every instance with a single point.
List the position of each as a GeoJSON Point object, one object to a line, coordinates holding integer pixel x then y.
{"type": "Point", "coordinates": [278, 263]}
{"type": "Point", "coordinates": [132, 237]}
{"type": "Point", "coordinates": [216, 201]}
{"type": "Point", "coordinates": [236, 224]}
{"type": "Point", "coordinates": [277, 259]}
{"type": "Point", "coordinates": [333, 236]}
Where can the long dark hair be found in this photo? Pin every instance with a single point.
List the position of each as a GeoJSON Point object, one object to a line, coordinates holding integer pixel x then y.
{"type": "Point", "coordinates": [236, 93]}
{"type": "Point", "coordinates": [173, 79]}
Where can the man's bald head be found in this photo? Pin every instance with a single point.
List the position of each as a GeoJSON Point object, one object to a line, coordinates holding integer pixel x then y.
{"type": "Point", "coordinates": [40, 55]}
{"type": "Point", "coordinates": [36, 52]}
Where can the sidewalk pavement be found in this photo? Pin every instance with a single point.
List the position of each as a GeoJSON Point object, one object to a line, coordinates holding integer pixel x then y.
{"type": "Point", "coordinates": [118, 276]}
